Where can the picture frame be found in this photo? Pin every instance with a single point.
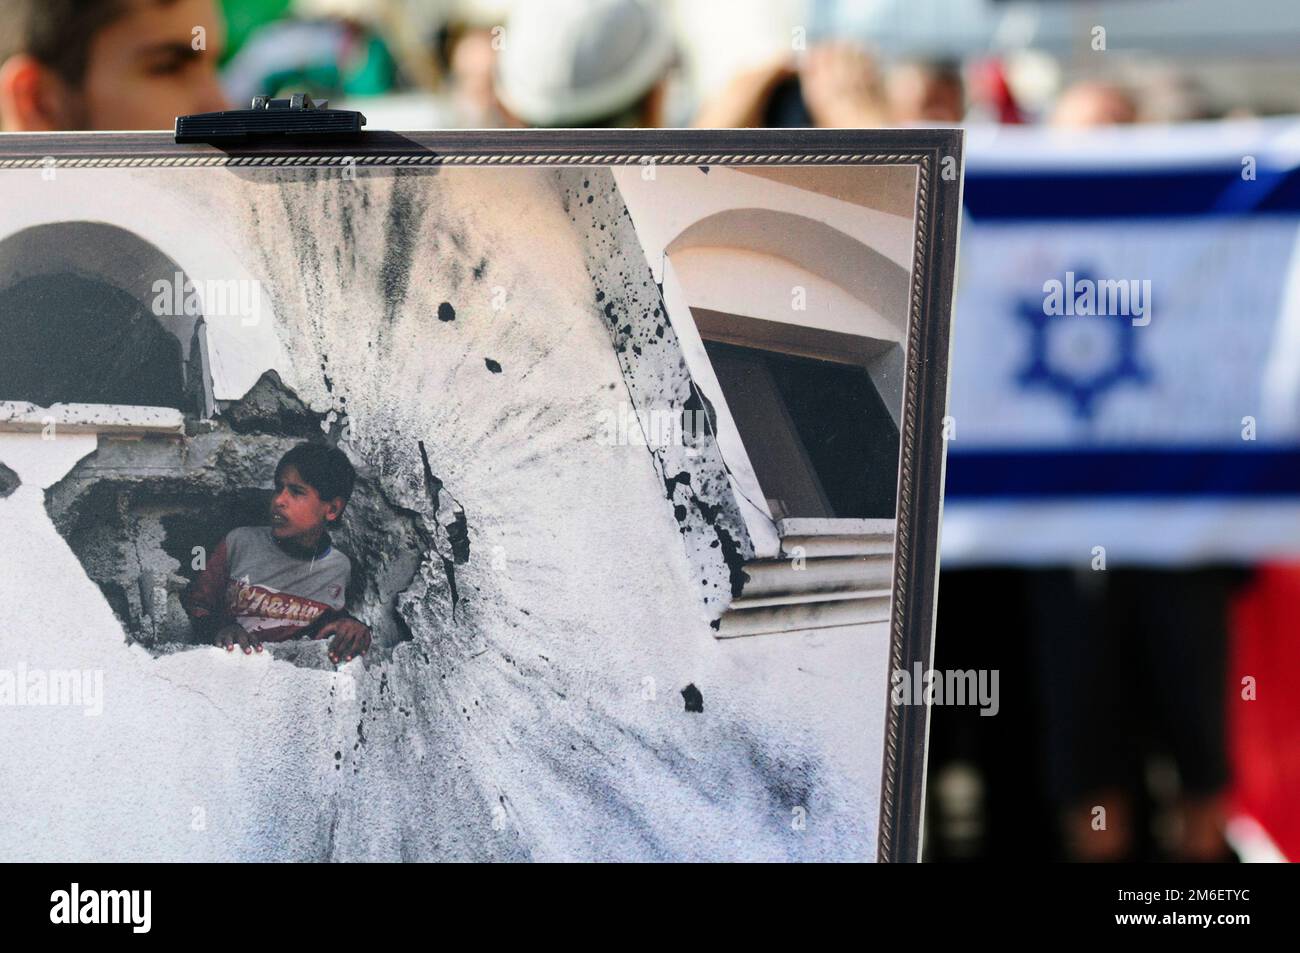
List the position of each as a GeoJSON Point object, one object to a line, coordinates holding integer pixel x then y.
{"type": "Point", "coordinates": [932, 156]}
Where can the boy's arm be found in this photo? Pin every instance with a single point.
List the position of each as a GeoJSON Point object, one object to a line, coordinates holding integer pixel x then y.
{"type": "Point", "coordinates": [351, 636]}
{"type": "Point", "coordinates": [204, 599]}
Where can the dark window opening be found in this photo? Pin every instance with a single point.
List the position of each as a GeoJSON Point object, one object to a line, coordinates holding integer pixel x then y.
{"type": "Point", "coordinates": [81, 321]}
{"type": "Point", "coordinates": [65, 338]}
{"type": "Point", "coordinates": [818, 433]}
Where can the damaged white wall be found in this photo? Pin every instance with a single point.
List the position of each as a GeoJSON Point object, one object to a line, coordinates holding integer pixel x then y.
{"type": "Point", "coordinates": [520, 727]}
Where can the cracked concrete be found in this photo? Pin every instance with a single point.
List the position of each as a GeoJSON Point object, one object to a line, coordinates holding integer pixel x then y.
{"type": "Point", "coordinates": [142, 514]}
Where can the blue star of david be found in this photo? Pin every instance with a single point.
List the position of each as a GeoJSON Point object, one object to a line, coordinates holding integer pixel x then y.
{"type": "Point", "coordinates": [1083, 391]}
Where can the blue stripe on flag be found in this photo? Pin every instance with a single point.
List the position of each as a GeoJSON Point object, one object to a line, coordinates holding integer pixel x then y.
{"type": "Point", "coordinates": [1129, 194]}
{"type": "Point", "coordinates": [1142, 472]}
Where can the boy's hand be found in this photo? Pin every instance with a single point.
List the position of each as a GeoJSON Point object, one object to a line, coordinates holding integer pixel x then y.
{"type": "Point", "coordinates": [228, 636]}
{"type": "Point", "coordinates": [351, 638]}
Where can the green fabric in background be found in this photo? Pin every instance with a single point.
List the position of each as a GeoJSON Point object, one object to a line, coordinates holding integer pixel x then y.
{"type": "Point", "coordinates": [243, 17]}
{"type": "Point", "coordinates": [369, 75]}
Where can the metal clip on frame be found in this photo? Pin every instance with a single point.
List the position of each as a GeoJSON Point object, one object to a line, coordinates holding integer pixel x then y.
{"type": "Point", "coordinates": [294, 118]}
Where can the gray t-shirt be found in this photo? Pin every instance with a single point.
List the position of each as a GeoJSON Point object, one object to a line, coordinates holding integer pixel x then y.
{"type": "Point", "coordinates": [250, 580]}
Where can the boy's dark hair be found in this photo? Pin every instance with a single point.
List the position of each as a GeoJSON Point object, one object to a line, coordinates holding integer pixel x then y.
{"type": "Point", "coordinates": [325, 468]}
{"type": "Point", "coordinates": [58, 33]}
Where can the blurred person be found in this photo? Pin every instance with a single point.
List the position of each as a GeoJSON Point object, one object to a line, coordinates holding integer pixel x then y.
{"type": "Point", "coordinates": [836, 85]}
{"type": "Point", "coordinates": [330, 49]}
{"type": "Point", "coordinates": [1086, 105]}
{"type": "Point", "coordinates": [585, 63]}
{"type": "Point", "coordinates": [1132, 666]}
{"type": "Point", "coordinates": [920, 92]}
{"type": "Point", "coordinates": [842, 87]}
{"type": "Point", "coordinates": [991, 97]}
{"type": "Point", "coordinates": [1173, 96]}
{"type": "Point", "coordinates": [107, 64]}
{"type": "Point", "coordinates": [743, 102]}
{"type": "Point", "coordinates": [470, 59]}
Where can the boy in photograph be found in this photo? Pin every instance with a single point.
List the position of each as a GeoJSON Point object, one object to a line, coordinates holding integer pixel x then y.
{"type": "Point", "coordinates": [286, 580]}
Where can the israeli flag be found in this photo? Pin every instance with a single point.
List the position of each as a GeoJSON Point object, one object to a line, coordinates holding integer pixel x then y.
{"type": "Point", "coordinates": [1125, 377]}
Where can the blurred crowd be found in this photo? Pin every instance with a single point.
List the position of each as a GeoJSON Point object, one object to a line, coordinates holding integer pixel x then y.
{"type": "Point", "coordinates": [1027, 786]}
{"type": "Point", "coordinates": [136, 64]}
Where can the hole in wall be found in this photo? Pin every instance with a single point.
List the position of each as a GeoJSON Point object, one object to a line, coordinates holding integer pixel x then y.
{"type": "Point", "coordinates": [139, 512]}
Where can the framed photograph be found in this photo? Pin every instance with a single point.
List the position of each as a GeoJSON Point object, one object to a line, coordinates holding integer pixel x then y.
{"type": "Point", "coordinates": [548, 495]}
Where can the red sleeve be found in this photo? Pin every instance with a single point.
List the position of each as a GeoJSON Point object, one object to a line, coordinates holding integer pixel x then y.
{"type": "Point", "coordinates": [206, 595]}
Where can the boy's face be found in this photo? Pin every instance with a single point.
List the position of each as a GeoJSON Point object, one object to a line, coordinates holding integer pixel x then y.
{"type": "Point", "coordinates": [298, 514]}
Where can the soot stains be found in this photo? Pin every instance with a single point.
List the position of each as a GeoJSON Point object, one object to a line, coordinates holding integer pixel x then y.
{"type": "Point", "coordinates": [9, 481]}
{"type": "Point", "coordinates": [697, 406]}
{"type": "Point", "coordinates": [788, 781]}
{"type": "Point", "coordinates": [703, 503]}
{"type": "Point", "coordinates": [406, 210]}
{"type": "Point", "coordinates": [693, 697]}
{"type": "Point", "coordinates": [735, 561]}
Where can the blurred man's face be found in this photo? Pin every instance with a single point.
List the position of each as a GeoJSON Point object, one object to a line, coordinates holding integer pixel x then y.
{"type": "Point", "coordinates": [917, 95]}
{"type": "Point", "coordinates": [1087, 105]}
{"type": "Point", "coordinates": [144, 69]}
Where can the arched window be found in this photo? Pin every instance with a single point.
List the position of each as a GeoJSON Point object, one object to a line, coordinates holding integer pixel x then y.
{"type": "Point", "coordinates": [80, 321]}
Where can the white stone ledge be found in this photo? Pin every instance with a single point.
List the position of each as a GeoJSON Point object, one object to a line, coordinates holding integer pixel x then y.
{"type": "Point", "coordinates": [809, 615]}
{"type": "Point", "coordinates": [836, 537]}
{"type": "Point", "coordinates": [808, 526]}
{"type": "Point", "coordinates": [23, 417]}
{"type": "Point", "coordinates": [833, 574]}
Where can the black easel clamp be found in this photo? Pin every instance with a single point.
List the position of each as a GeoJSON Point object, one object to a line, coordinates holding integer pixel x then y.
{"type": "Point", "coordinates": [294, 118]}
